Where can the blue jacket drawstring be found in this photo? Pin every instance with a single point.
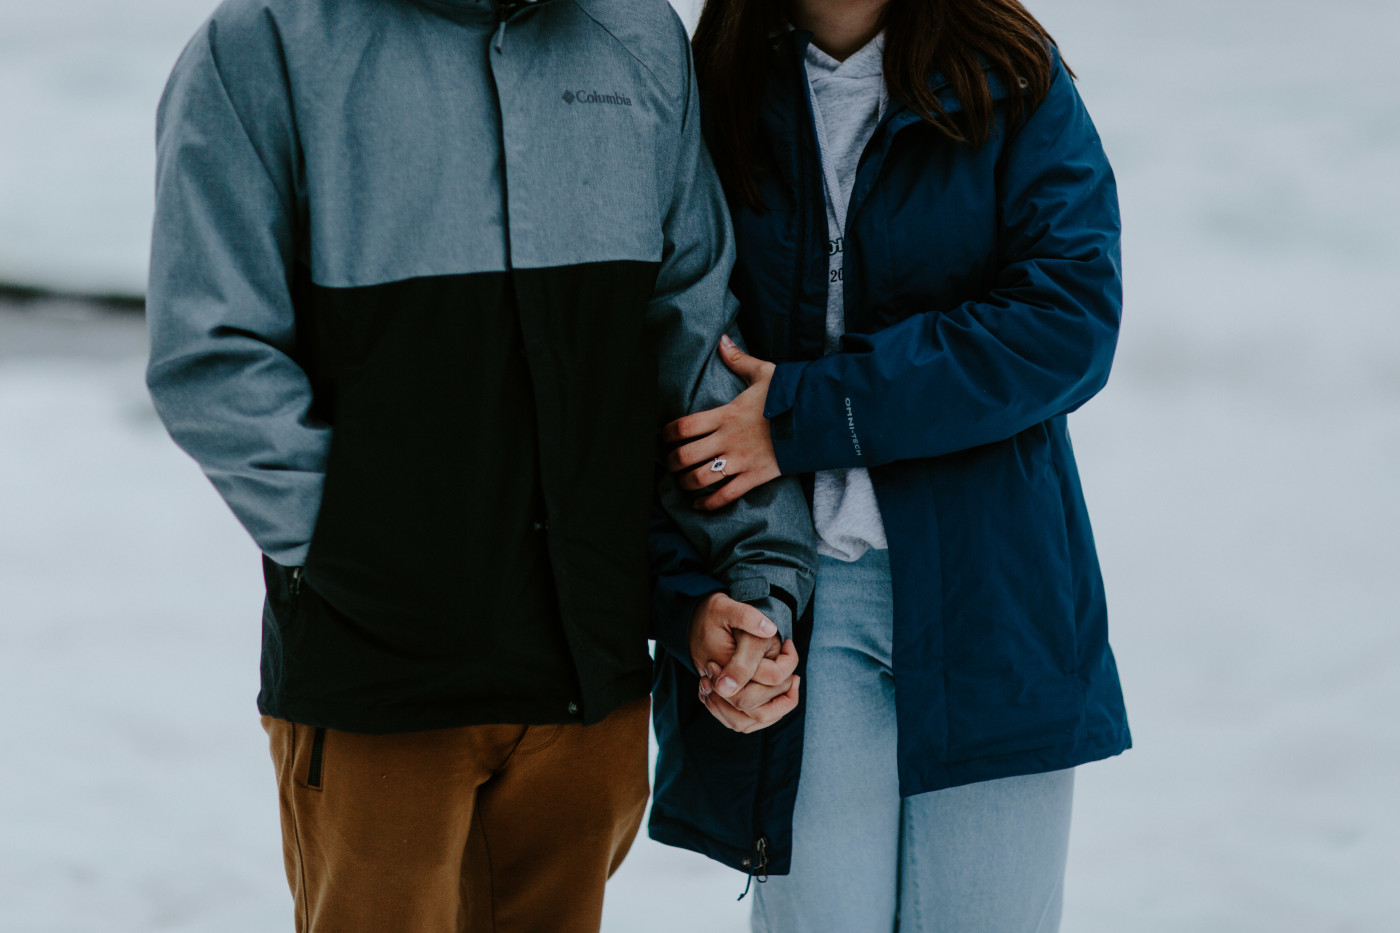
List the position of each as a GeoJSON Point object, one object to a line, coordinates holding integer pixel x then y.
{"type": "Point", "coordinates": [757, 864]}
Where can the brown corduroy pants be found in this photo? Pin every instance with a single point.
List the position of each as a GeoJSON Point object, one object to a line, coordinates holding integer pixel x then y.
{"type": "Point", "coordinates": [506, 829]}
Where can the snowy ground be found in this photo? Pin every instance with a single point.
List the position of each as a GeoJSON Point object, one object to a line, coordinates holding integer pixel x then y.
{"type": "Point", "coordinates": [1241, 469]}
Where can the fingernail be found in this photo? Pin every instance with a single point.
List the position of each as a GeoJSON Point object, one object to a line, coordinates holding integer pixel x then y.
{"type": "Point", "coordinates": [713, 671]}
{"type": "Point", "coordinates": [725, 342]}
{"type": "Point", "coordinates": [767, 628]}
{"type": "Point", "coordinates": [728, 686]}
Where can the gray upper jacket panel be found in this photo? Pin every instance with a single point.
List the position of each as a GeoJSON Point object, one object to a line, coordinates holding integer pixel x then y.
{"type": "Point", "coordinates": [592, 99]}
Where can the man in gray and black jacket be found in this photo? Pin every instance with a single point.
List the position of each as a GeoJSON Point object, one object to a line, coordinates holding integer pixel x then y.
{"type": "Point", "coordinates": [427, 275]}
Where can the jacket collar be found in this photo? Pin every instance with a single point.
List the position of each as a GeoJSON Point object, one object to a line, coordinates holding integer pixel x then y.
{"type": "Point", "coordinates": [475, 10]}
{"type": "Point", "coordinates": [798, 40]}
{"type": "Point", "coordinates": [490, 11]}
{"type": "Point", "coordinates": [786, 112]}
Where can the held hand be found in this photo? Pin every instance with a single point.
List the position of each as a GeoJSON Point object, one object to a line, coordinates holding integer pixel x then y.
{"type": "Point", "coordinates": [719, 628]}
{"type": "Point", "coordinates": [747, 676]}
{"type": "Point", "coordinates": [759, 704]}
{"type": "Point", "coordinates": [732, 441]}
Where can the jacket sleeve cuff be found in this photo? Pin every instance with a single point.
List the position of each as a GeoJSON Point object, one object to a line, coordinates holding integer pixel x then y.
{"type": "Point", "coordinates": [772, 599]}
{"type": "Point", "coordinates": [817, 435]}
{"type": "Point", "coordinates": [778, 409]}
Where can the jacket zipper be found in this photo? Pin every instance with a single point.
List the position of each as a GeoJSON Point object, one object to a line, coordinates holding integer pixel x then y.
{"type": "Point", "coordinates": [318, 751]}
{"type": "Point", "coordinates": [756, 862]}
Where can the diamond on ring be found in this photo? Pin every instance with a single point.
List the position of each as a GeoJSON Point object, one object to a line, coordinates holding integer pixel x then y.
{"type": "Point", "coordinates": [718, 466]}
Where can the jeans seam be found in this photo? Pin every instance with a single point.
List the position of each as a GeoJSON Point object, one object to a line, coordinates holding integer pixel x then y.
{"type": "Point", "coordinates": [1044, 912]}
{"type": "Point", "coordinates": [912, 875]}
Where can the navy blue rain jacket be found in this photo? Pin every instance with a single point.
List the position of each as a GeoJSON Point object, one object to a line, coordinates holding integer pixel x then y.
{"type": "Point", "coordinates": [983, 295]}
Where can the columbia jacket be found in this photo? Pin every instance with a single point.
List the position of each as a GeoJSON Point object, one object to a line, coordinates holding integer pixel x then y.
{"type": "Point", "coordinates": [983, 296]}
{"type": "Point", "coordinates": [426, 278]}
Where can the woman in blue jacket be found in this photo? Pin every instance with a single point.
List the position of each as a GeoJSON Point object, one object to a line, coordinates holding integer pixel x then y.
{"type": "Point", "coordinates": [928, 239]}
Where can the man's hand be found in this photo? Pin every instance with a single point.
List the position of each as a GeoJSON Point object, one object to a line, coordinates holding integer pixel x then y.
{"type": "Point", "coordinates": [747, 679]}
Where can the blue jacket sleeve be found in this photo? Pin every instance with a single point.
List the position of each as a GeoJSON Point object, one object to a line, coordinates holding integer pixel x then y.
{"type": "Point", "coordinates": [679, 582]}
{"type": "Point", "coordinates": [1038, 344]}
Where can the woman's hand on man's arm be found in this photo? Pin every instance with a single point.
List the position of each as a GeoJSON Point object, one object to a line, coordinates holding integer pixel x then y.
{"type": "Point", "coordinates": [735, 437]}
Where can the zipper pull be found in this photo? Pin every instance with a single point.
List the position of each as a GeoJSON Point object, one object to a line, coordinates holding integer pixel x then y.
{"type": "Point", "coordinates": [505, 9]}
{"type": "Point", "coordinates": [757, 864]}
{"type": "Point", "coordinates": [296, 581]}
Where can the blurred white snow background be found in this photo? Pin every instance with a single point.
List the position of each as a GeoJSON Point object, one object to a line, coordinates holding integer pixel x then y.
{"type": "Point", "coordinates": [1241, 470]}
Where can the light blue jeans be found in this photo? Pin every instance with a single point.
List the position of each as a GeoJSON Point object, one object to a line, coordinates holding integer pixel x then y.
{"type": "Point", "coordinates": [984, 858]}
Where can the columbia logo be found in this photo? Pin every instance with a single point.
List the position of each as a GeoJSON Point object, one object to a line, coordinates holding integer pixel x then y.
{"type": "Point", "coordinates": [593, 97]}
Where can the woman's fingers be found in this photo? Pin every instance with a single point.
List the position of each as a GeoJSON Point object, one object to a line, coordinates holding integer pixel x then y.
{"type": "Point", "coordinates": [736, 674]}
{"type": "Point", "coordinates": [755, 719]}
{"type": "Point", "coordinates": [692, 426]}
{"type": "Point", "coordinates": [704, 474]}
{"type": "Point", "coordinates": [732, 491]}
{"type": "Point", "coordinates": [736, 488]}
{"type": "Point", "coordinates": [748, 368]}
{"type": "Point", "coordinates": [696, 453]}
{"type": "Point", "coordinates": [776, 671]}
{"type": "Point", "coordinates": [725, 713]}
{"type": "Point", "coordinates": [774, 710]}
{"type": "Point", "coordinates": [756, 695]}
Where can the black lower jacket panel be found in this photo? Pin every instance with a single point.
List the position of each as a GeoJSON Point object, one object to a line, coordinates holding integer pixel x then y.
{"type": "Point", "coordinates": [480, 554]}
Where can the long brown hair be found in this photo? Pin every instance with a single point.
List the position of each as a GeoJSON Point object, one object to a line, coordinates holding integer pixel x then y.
{"type": "Point", "coordinates": [958, 38]}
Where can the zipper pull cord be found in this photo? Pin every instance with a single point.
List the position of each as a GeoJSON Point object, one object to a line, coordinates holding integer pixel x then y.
{"type": "Point", "coordinates": [506, 9]}
{"type": "Point", "coordinates": [757, 864]}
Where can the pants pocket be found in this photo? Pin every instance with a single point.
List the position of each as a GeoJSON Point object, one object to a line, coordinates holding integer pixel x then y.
{"type": "Point", "coordinates": [316, 759]}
